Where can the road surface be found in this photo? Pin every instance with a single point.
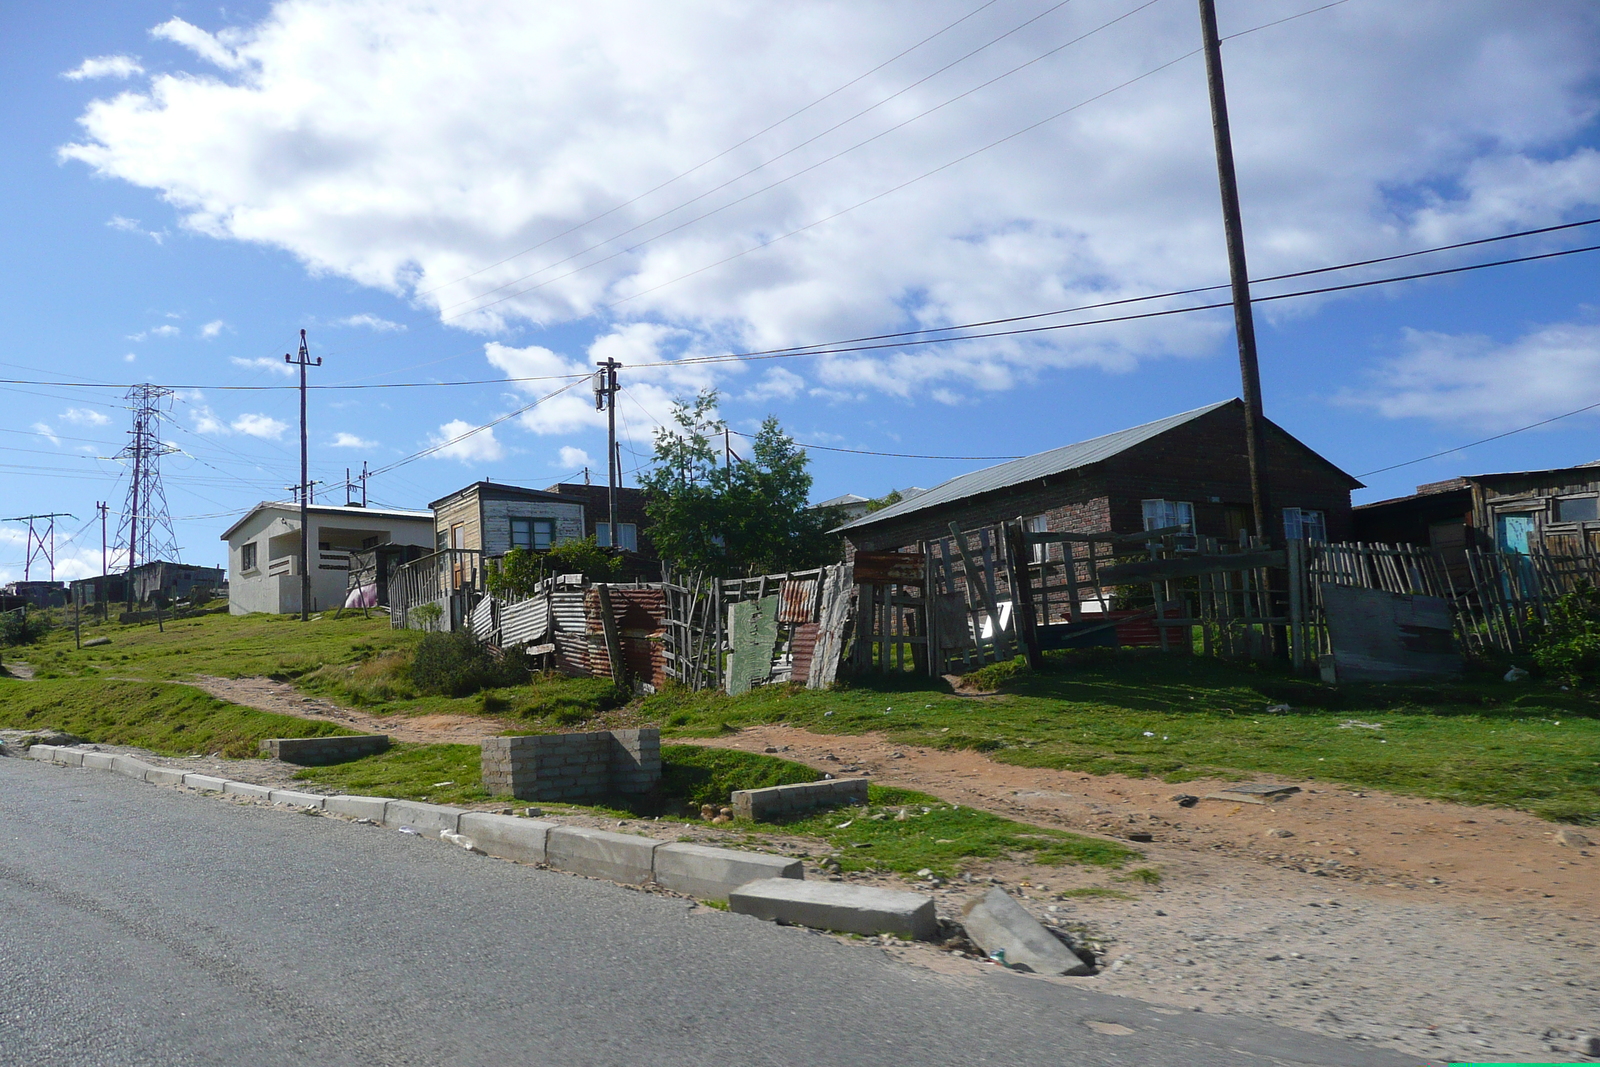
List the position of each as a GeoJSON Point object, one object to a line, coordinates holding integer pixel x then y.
{"type": "Point", "coordinates": [148, 926]}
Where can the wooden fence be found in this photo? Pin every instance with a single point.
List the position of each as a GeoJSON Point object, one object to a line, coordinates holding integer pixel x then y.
{"type": "Point", "coordinates": [452, 579]}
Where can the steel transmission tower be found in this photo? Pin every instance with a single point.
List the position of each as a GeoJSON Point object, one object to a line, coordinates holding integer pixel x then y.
{"type": "Point", "coordinates": [146, 528]}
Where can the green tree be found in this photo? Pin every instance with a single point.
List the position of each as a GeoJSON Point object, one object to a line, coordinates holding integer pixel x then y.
{"type": "Point", "coordinates": [520, 570]}
{"type": "Point", "coordinates": [745, 517]}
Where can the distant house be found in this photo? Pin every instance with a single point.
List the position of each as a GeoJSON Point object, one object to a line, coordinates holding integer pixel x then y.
{"type": "Point", "coordinates": [264, 551]}
{"type": "Point", "coordinates": [1187, 469]}
{"type": "Point", "coordinates": [492, 518]}
{"type": "Point", "coordinates": [853, 506]}
{"type": "Point", "coordinates": [631, 519]}
{"type": "Point", "coordinates": [160, 580]}
{"type": "Point", "coordinates": [38, 594]}
{"type": "Point", "coordinates": [1558, 508]}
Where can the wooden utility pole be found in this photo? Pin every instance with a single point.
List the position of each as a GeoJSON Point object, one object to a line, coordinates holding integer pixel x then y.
{"type": "Point", "coordinates": [1243, 320]}
{"type": "Point", "coordinates": [605, 397]}
{"type": "Point", "coordinates": [303, 361]}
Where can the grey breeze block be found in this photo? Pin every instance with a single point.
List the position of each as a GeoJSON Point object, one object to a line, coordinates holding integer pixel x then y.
{"type": "Point", "coordinates": [600, 854]}
{"type": "Point", "coordinates": [314, 751]}
{"type": "Point", "coordinates": [712, 873]}
{"type": "Point", "coordinates": [851, 909]}
{"type": "Point", "coordinates": [997, 922]}
{"type": "Point", "coordinates": [780, 800]}
{"type": "Point", "coordinates": [507, 836]}
{"type": "Point", "coordinates": [572, 766]}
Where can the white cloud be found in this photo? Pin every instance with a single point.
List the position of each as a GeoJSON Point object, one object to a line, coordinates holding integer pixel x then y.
{"type": "Point", "coordinates": [572, 458]}
{"type": "Point", "coordinates": [776, 384]}
{"type": "Point", "coordinates": [469, 449]}
{"type": "Point", "coordinates": [45, 431]}
{"type": "Point", "coordinates": [104, 67]}
{"type": "Point", "coordinates": [129, 358]}
{"type": "Point", "coordinates": [264, 426]}
{"type": "Point", "coordinates": [165, 330]}
{"type": "Point", "coordinates": [1476, 381]}
{"type": "Point", "coordinates": [277, 366]}
{"type": "Point", "coordinates": [350, 440]}
{"type": "Point", "coordinates": [212, 329]}
{"type": "Point", "coordinates": [127, 225]}
{"type": "Point", "coordinates": [409, 146]}
{"type": "Point", "coordinates": [370, 322]}
{"type": "Point", "coordinates": [85, 417]}
{"type": "Point", "coordinates": [205, 420]}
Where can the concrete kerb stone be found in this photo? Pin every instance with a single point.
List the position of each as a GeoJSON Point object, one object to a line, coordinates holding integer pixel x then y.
{"type": "Point", "coordinates": [69, 757]}
{"type": "Point", "coordinates": [97, 761]}
{"type": "Point", "coordinates": [246, 789]}
{"type": "Point", "coordinates": [301, 800]}
{"type": "Point", "coordinates": [204, 782]}
{"type": "Point", "coordinates": [758, 804]}
{"type": "Point", "coordinates": [129, 767]}
{"type": "Point", "coordinates": [850, 909]}
{"type": "Point", "coordinates": [356, 807]}
{"type": "Point", "coordinates": [997, 923]}
{"type": "Point", "coordinates": [163, 776]}
{"type": "Point", "coordinates": [600, 854]}
{"type": "Point", "coordinates": [428, 818]}
{"type": "Point", "coordinates": [43, 752]}
{"type": "Point", "coordinates": [712, 873]}
{"type": "Point", "coordinates": [507, 836]}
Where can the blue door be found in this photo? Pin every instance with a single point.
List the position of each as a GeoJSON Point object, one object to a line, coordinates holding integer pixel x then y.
{"type": "Point", "coordinates": [1514, 530]}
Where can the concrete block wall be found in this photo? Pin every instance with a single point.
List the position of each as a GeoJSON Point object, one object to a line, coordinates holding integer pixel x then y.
{"type": "Point", "coordinates": [780, 800]}
{"type": "Point", "coordinates": [572, 767]}
{"type": "Point", "coordinates": [315, 751]}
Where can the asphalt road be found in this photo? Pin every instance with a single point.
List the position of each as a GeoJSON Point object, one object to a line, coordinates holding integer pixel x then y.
{"type": "Point", "coordinates": [147, 926]}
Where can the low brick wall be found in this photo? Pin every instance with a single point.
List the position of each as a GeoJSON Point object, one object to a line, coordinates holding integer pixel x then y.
{"type": "Point", "coordinates": [313, 751]}
{"type": "Point", "coordinates": [572, 766]}
{"type": "Point", "coordinates": [793, 799]}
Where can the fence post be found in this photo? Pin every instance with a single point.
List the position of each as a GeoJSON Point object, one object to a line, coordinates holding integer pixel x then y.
{"type": "Point", "coordinates": [1022, 594]}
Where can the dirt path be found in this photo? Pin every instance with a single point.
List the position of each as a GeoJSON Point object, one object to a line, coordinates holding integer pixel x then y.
{"type": "Point", "coordinates": [1448, 931]}
{"type": "Point", "coordinates": [285, 699]}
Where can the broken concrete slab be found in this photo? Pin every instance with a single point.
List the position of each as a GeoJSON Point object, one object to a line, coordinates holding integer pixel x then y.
{"type": "Point", "coordinates": [507, 836]}
{"type": "Point", "coordinates": [428, 818]}
{"type": "Point", "coordinates": [599, 854]}
{"type": "Point", "coordinates": [712, 873]}
{"type": "Point", "coordinates": [850, 909]}
{"type": "Point", "coordinates": [356, 807]}
{"type": "Point", "coordinates": [997, 923]}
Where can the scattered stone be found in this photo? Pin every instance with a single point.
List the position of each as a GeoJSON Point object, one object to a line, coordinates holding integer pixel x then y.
{"type": "Point", "coordinates": [1186, 800]}
{"type": "Point", "coordinates": [924, 873]}
{"type": "Point", "coordinates": [13, 742]}
{"type": "Point", "coordinates": [998, 924]}
{"type": "Point", "coordinates": [1142, 836]}
{"type": "Point", "coordinates": [1278, 833]}
{"type": "Point", "coordinates": [1567, 838]}
{"type": "Point", "coordinates": [770, 748]}
{"type": "Point", "coordinates": [897, 755]}
{"type": "Point", "coordinates": [532, 813]}
{"type": "Point", "coordinates": [720, 820]}
{"type": "Point", "coordinates": [1278, 709]}
{"type": "Point", "coordinates": [96, 642]}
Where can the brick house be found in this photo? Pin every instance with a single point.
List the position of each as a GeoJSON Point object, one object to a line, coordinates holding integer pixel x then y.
{"type": "Point", "coordinates": [1184, 469]}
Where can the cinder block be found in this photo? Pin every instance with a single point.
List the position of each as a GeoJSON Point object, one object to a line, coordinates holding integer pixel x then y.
{"type": "Point", "coordinates": [311, 751]}
{"type": "Point", "coordinates": [712, 873]}
{"type": "Point", "coordinates": [98, 761]}
{"type": "Point", "coordinates": [204, 782]}
{"type": "Point", "coordinates": [301, 800]}
{"type": "Point", "coordinates": [851, 909]}
{"type": "Point", "coordinates": [164, 776]}
{"type": "Point", "coordinates": [429, 818]}
{"type": "Point", "coordinates": [996, 922]}
{"type": "Point", "coordinates": [619, 857]}
{"type": "Point", "coordinates": [507, 836]}
{"type": "Point", "coordinates": [129, 767]}
{"type": "Point", "coordinates": [788, 799]}
{"type": "Point", "coordinates": [245, 789]}
{"type": "Point", "coordinates": [356, 807]}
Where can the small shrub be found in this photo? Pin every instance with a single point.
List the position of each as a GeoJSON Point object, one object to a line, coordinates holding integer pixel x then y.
{"type": "Point", "coordinates": [1567, 644]}
{"type": "Point", "coordinates": [456, 665]}
{"type": "Point", "coordinates": [23, 628]}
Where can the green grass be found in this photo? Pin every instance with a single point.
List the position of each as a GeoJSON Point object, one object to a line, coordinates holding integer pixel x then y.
{"type": "Point", "coordinates": [173, 720]}
{"type": "Point", "coordinates": [1480, 741]}
{"type": "Point", "coordinates": [441, 774]}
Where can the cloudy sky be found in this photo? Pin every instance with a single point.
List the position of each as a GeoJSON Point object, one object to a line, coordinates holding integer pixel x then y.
{"type": "Point", "coordinates": [490, 190]}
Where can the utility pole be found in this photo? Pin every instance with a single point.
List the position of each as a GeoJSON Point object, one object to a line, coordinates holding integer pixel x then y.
{"type": "Point", "coordinates": [303, 361]}
{"type": "Point", "coordinates": [36, 545]}
{"type": "Point", "coordinates": [1243, 320]}
{"type": "Point", "coordinates": [150, 533]}
{"type": "Point", "coordinates": [364, 476]}
{"type": "Point", "coordinates": [103, 592]}
{"type": "Point", "coordinates": [605, 399]}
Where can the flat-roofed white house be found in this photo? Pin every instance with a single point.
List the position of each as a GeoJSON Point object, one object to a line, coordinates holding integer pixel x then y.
{"type": "Point", "coordinates": [264, 551]}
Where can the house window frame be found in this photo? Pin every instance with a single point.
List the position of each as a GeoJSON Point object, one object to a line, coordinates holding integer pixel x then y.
{"type": "Point", "coordinates": [1037, 524]}
{"type": "Point", "coordinates": [1166, 511]}
{"type": "Point", "coordinates": [1556, 517]}
{"type": "Point", "coordinates": [1295, 525]}
{"type": "Point", "coordinates": [629, 531]}
{"type": "Point", "coordinates": [249, 557]}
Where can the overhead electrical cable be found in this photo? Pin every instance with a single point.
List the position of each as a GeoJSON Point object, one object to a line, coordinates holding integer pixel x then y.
{"type": "Point", "coordinates": [1483, 440]}
{"type": "Point", "coordinates": [475, 430]}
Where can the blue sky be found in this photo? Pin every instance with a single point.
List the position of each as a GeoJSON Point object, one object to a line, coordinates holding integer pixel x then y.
{"type": "Point", "coordinates": [190, 185]}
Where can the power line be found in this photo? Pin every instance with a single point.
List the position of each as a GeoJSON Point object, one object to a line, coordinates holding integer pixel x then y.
{"type": "Point", "coordinates": [889, 455]}
{"type": "Point", "coordinates": [475, 430]}
{"type": "Point", "coordinates": [1482, 441]}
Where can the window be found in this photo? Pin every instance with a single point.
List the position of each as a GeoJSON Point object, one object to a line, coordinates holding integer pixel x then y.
{"type": "Point", "coordinates": [1304, 524]}
{"type": "Point", "coordinates": [629, 539]}
{"type": "Point", "coordinates": [533, 535]}
{"type": "Point", "coordinates": [1159, 514]}
{"type": "Point", "coordinates": [1578, 509]}
{"type": "Point", "coordinates": [371, 542]}
{"type": "Point", "coordinates": [458, 536]}
{"type": "Point", "coordinates": [247, 557]}
{"type": "Point", "coordinates": [1038, 524]}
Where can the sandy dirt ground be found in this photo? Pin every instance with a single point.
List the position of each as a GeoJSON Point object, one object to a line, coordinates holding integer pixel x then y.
{"type": "Point", "coordinates": [1452, 932]}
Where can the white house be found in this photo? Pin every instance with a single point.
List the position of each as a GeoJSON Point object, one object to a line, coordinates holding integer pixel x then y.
{"type": "Point", "coordinates": [264, 551]}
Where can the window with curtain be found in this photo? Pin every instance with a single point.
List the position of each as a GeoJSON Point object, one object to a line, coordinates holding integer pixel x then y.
{"type": "Point", "coordinates": [627, 535]}
{"type": "Point", "coordinates": [1159, 514]}
{"type": "Point", "coordinates": [1305, 524]}
{"type": "Point", "coordinates": [247, 557]}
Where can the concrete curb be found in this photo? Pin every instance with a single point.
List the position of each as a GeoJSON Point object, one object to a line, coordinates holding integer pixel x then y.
{"type": "Point", "coordinates": [697, 870]}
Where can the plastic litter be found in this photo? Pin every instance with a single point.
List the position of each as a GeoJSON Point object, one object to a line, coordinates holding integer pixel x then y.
{"type": "Point", "coordinates": [461, 840]}
{"type": "Point", "coordinates": [1516, 674]}
{"type": "Point", "coordinates": [410, 830]}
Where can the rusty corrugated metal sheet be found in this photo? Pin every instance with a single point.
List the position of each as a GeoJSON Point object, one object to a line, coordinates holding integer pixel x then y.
{"type": "Point", "coordinates": [798, 601]}
{"type": "Point", "coordinates": [802, 645]}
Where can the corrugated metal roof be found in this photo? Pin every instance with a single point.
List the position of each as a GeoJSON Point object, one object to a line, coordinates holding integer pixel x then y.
{"type": "Point", "coordinates": [1026, 469]}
